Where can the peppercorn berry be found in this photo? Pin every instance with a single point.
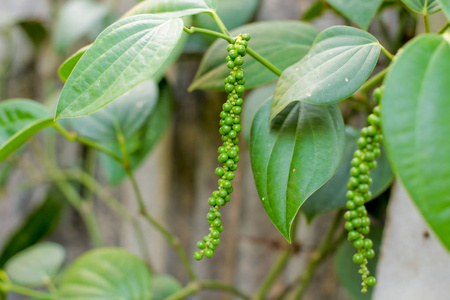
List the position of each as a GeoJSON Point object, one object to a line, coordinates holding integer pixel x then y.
{"type": "Point", "coordinates": [357, 222]}
{"type": "Point", "coordinates": [228, 152]}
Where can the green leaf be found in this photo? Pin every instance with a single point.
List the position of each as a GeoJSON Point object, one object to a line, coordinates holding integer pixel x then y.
{"type": "Point", "coordinates": [126, 115]}
{"type": "Point", "coordinates": [76, 19]}
{"type": "Point", "coordinates": [359, 11]}
{"type": "Point", "coordinates": [445, 6]}
{"type": "Point", "coordinates": [333, 194]}
{"type": "Point", "coordinates": [124, 55]}
{"type": "Point", "coordinates": [164, 286]}
{"type": "Point", "coordinates": [142, 142]}
{"type": "Point", "coordinates": [301, 153]}
{"type": "Point", "coordinates": [314, 11]}
{"type": "Point", "coordinates": [35, 30]}
{"type": "Point", "coordinates": [281, 42]}
{"type": "Point", "coordinates": [233, 13]}
{"type": "Point", "coordinates": [36, 265]}
{"type": "Point", "coordinates": [425, 7]}
{"type": "Point", "coordinates": [69, 64]}
{"type": "Point", "coordinates": [347, 270]}
{"type": "Point", "coordinates": [190, 7]}
{"type": "Point", "coordinates": [37, 225]}
{"type": "Point", "coordinates": [20, 119]}
{"type": "Point", "coordinates": [340, 61]}
{"type": "Point", "coordinates": [252, 103]}
{"type": "Point", "coordinates": [108, 273]}
{"type": "Point", "coordinates": [416, 124]}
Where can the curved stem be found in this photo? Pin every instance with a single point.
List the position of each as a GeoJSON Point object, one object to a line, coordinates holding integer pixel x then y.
{"type": "Point", "coordinates": [324, 249]}
{"type": "Point", "coordinates": [264, 61]}
{"type": "Point", "coordinates": [171, 239]}
{"type": "Point", "coordinates": [72, 136]}
{"type": "Point", "coordinates": [197, 286]}
{"type": "Point", "coordinates": [229, 39]}
{"type": "Point", "coordinates": [219, 23]}
{"type": "Point", "coordinates": [427, 23]}
{"type": "Point", "coordinates": [387, 53]}
{"type": "Point", "coordinates": [193, 29]}
{"type": "Point", "coordinates": [444, 29]}
{"type": "Point", "coordinates": [278, 267]}
{"type": "Point", "coordinates": [374, 81]}
{"type": "Point", "coordinates": [10, 287]}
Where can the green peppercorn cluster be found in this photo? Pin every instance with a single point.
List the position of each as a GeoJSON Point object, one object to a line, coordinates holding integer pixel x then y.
{"type": "Point", "coordinates": [357, 221]}
{"type": "Point", "coordinates": [228, 152]}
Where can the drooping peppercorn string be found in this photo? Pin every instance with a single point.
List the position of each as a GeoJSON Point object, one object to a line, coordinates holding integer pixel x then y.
{"type": "Point", "coordinates": [358, 223]}
{"type": "Point", "coordinates": [228, 152]}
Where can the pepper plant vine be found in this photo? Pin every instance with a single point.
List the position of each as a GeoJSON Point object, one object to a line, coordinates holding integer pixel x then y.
{"type": "Point", "coordinates": [299, 143]}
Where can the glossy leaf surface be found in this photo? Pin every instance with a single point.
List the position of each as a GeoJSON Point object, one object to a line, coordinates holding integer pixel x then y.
{"type": "Point", "coordinates": [333, 194]}
{"type": "Point", "coordinates": [190, 7]}
{"type": "Point", "coordinates": [20, 119]}
{"type": "Point", "coordinates": [359, 11]}
{"type": "Point", "coordinates": [36, 265]}
{"type": "Point", "coordinates": [416, 126]}
{"type": "Point", "coordinates": [425, 7]}
{"type": "Point", "coordinates": [300, 154]}
{"type": "Point", "coordinates": [281, 42]}
{"type": "Point", "coordinates": [140, 144]}
{"type": "Point", "coordinates": [69, 64]}
{"type": "Point", "coordinates": [340, 61]}
{"type": "Point", "coordinates": [124, 55]}
{"type": "Point", "coordinates": [108, 273]}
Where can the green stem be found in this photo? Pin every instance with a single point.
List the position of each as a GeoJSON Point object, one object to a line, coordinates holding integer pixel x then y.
{"type": "Point", "coordinates": [264, 61]}
{"type": "Point", "coordinates": [10, 287]}
{"type": "Point", "coordinates": [387, 53]}
{"type": "Point", "coordinates": [444, 29]}
{"type": "Point", "coordinates": [219, 23]}
{"type": "Point", "coordinates": [71, 136]}
{"type": "Point", "coordinates": [277, 268]}
{"type": "Point", "coordinates": [83, 207]}
{"type": "Point", "coordinates": [324, 248]}
{"type": "Point", "coordinates": [229, 39]}
{"type": "Point", "coordinates": [191, 30]}
{"type": "Point", "coordinates": [197, 286]}
{"type": "Point", "coordinates": [372, 82]}
{"type": "Point", "coordinates": [427, 23]}
{"type": "Point", "coordinates": [114, 204]}
{"type": "Point", "coordinates": [171, 239]}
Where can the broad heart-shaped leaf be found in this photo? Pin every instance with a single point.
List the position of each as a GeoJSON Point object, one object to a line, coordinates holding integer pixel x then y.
{"type": "Point", "coordinates": [190, 7]}
{"type": "Point", "coordinates": [76, 19]}
{"type": "Point", "coordinates": [416, 125]}
{"type": "Point", "coordinates": [425, 7]}
{"type": "Point", "coordinates": [164, 286]}
{"type": "Point", "coordinates": [252, 103]}
{"type": "Point", "coordinates": [36, 265]}
{"type": "Point", "coordinates": [281, 42]}
{"type": "Point", "coordinates": [347, 270]}
{"type": "Point", "coordinates": [127, 113]}
{"type": "Point", "coordinates": [20, 119]}
{"type": "Point", "coordinates": [37, 225]}
{"type": "Point", "coordinates": [107, 273]}
{"type": "Point", "coordinates": [124, 55]}
{"type": "Point", "coordinates": [145, 139]}
{"type": "Point", "coordinates": [359, 11]}
{"type": "Point", "coordinates": [69, 64]}
{"type": "Point", "coordinates": [300, 154]}
{"type": "Point", "coordinates": [233, 13]}
{"type": "Point", "coordinates": [445, 6]}
{"type": "Point", "coordinates": [340, 61]}
{"type": "Point", "coordinates": [333, 194]}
